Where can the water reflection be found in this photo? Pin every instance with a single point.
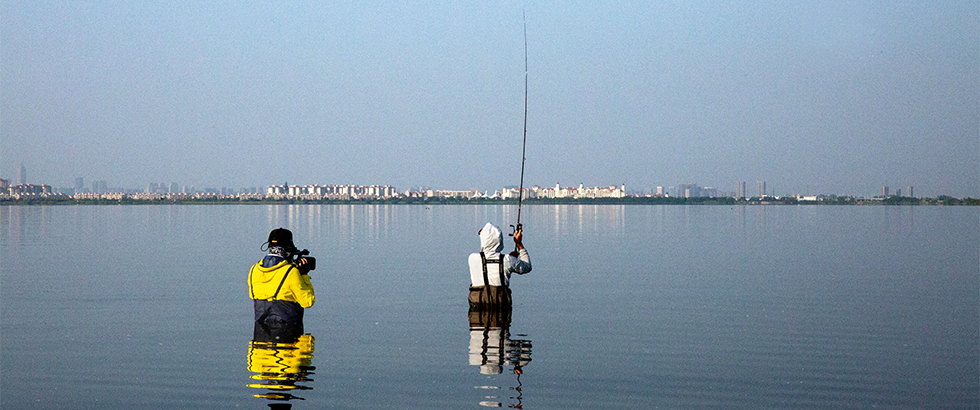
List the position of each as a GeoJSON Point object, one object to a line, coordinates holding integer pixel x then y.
{"type": "Point", "coordinates": [494, 351]}
{"type": "Point", "coordinates": [280, 358]}
{"type": "Point", "coordinates": [572, 223]}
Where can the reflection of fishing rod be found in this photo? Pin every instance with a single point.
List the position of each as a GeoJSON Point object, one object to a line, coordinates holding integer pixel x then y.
{"type": "Point", "coordinates": [520, 194]}
{"type": "Point", "coordinates": [520, 393]}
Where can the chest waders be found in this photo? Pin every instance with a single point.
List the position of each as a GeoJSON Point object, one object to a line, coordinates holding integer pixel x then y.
{"type": "Point", "coordinates": [273, 310]}
{"type": "Point", "coordinates": [488, 296]}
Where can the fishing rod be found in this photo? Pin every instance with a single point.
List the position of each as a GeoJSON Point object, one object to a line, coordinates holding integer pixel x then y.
{"type": "Point", "coordinates": [520, 194]}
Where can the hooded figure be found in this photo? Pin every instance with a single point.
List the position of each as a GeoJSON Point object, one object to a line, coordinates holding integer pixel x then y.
{"type": "Point", "coordinates": [490, 270]}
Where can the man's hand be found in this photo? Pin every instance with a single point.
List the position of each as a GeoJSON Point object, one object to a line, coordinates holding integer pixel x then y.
{"type": "Point", "coordinates": [518, 236]}
{"type": "Point", "coordinates": [302, 265]}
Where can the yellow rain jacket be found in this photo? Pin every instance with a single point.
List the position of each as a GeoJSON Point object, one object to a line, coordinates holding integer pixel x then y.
{"type": "Point", "coordinates": [279, 292]}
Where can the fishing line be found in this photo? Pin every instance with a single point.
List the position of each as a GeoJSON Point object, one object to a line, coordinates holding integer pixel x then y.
{"type": "Point", "coordinates": [520, 194]}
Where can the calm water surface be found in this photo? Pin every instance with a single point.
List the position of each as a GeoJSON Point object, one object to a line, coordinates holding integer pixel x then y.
{"type": "Point", "coordinates": [146, 307]}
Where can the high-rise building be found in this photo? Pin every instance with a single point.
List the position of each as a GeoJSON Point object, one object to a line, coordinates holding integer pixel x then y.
{"type": "Point", "coordinates": [740, 190]}
{"type": "Point", "coordinates": [79, 184]}
{"type": "Point", "coordinates": [22, 175]}
{"type": "Point", "coordinates": [910, 193]}
{"type": "Point", "coordinates": [884, 191]}
{"type": "Point", "coordinates": [760, 187]}
{"type": "Point", "coordinates": [690, 191]}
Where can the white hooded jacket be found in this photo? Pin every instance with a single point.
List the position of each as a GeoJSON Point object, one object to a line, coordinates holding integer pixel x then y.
{"type": "Point", "coordinates": [491, 243]}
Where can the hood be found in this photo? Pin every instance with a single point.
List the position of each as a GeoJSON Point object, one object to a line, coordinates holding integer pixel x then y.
{"type": "Point", "coordinates": [491, 240]}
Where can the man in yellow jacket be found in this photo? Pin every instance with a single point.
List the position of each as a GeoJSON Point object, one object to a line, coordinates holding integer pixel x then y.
{"type": "Point", "coordinates": [279, 286]}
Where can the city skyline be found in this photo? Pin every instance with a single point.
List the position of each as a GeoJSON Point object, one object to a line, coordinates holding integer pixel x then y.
{"type": "Point", "coordinates": [834, 96]}
{"type": "Point", "coordinates": [738, 189]}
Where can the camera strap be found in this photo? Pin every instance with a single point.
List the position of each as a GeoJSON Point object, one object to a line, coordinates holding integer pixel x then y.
{"type": "Point", "coordinates": [283, 281]}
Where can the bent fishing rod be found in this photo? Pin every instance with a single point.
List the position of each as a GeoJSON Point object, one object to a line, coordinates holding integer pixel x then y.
{"type": "Point", "coordinates": [520, 194]}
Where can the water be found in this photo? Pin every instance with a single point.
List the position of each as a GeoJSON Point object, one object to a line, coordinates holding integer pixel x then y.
{"type": "Point", "coordinates": [627, 307]}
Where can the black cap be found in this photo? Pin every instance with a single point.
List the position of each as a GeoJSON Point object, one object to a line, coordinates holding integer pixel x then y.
{"type": "Point", "coordinates": [281, 237]}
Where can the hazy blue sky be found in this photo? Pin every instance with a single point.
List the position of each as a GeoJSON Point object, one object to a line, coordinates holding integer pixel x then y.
{"type": "Point", "coordinates": [829, 97]}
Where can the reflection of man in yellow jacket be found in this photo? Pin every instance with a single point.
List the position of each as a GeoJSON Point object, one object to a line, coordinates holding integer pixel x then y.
{"type": "Point", "coordinates": [281, 362]}
{"type": "Point", "coordinates": [281, 365]}
{"type": "Point", "coordinates": [279, 287]}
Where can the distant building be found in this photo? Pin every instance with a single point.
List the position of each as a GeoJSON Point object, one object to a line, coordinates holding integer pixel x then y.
{"type": "Point", "coordinates": [86, 195]}
{"type": "Point", "coordinates": [100, 187]}
{"type": "Point", "coordinates": [436, 193]}
{"type": "Point", "coordinates": [29, 189]}
{"type": "Point", "coordinates": [740, 190]}
{"type": "Point", "coordinates": [884, 191]}
{"type": "Point", "coordinates": [910, 193]}
{"type": "Point", "coordinates": [558, 191]}
{"type": "Point", "coordinates": [147, 196]}
{"type": "Point", "coordinates": [341, 192]}
{"type": "Point", "coordinates": [760, 187]}
{"type": "Point", "coordinates": [22, 175]}
{"type": "Point", "coordinates": [696, 191]}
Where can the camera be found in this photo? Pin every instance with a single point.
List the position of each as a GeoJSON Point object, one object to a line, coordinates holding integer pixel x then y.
{"type": "Point", "coordinates": [310, 261]}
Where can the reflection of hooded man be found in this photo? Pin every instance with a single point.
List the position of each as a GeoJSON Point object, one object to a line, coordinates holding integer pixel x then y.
{"type": "Point", "coordinates": [490, 270]}
{"type": "Point", "coordinates": [490, 345]}
{"type": "Point", "coordinates": [493, 349]}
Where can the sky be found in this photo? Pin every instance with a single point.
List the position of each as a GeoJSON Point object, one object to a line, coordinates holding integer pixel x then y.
{"type": "Point", "coordinates": [834, 97]}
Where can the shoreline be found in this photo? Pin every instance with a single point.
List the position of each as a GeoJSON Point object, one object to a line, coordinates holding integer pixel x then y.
{"type": "Point", "coordinates": [840, 201]}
